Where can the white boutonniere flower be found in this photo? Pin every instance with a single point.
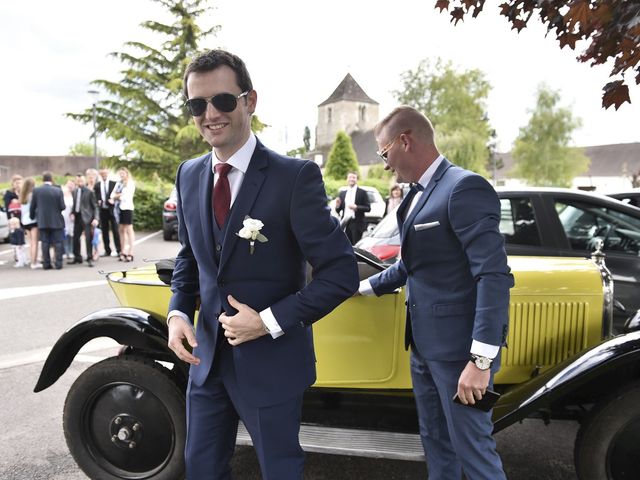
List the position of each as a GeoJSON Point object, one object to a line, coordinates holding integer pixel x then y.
{"type": "Point", "coordinates": [251, 231]}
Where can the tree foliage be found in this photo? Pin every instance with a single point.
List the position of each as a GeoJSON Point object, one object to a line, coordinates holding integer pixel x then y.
{"type": "Point", "coordinates": [455, 102]}
{"type": "Point", "coordinates": [610, 28]}
{"type": "Point", "coordinates": [541, 151]}
{"type": "Point", "coordinates": [144, 109]}
{"type": "Point", "coordinates": [84, 149]}
{"type": "Point", "coordinates": [342, 158]}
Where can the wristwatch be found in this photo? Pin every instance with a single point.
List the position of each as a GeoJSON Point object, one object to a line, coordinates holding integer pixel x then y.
{"type": "Point", "coordinates": [483, 363]}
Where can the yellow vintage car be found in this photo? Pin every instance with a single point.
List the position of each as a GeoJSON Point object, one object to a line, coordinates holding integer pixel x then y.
{"type": "Point", "coordinates": [124, 416]}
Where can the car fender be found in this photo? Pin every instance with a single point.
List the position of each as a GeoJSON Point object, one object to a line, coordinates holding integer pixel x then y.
{"type": "Point", "coordinates": [588, 369]}
{"type": "Point", "coordinates": [127, 326]}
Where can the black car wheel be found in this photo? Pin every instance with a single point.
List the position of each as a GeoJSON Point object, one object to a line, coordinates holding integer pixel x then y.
{"type": "Point", "coordinates": [124, 418]}
{"type": "Point", "coordinates": [607, 444]}
{"type": "Point", "coordinates": [167, 234]}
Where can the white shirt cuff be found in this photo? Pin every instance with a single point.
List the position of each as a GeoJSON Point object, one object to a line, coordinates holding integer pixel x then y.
{"type": "Point", "coordinates": [484, 349]}
{"type": "Point", "coordinates": [365, 288]}
{"type": "Point", "coordinates": [271, 323]}
{"type": "Point", "coordinates": [178, 313]}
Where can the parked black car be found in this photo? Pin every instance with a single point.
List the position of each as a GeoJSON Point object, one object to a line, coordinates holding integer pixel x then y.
{"type": "Point", "coordinates": [556, 222]}
{"type": "Point", "coordinates": [632, 197]}
{"type": "Point", "coordinates": [170, 217]}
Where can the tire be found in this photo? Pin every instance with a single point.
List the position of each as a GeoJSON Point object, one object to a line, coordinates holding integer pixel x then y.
{"type": "Point", "coordinates": [124, 418]}
{"type": "Point", "coordinates": [607, 445]}
{"type": "Point", "coordinates": [167, 234]}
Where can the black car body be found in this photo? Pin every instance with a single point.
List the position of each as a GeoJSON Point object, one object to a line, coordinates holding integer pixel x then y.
{"type": "Point", "coordinates": [557, 222]}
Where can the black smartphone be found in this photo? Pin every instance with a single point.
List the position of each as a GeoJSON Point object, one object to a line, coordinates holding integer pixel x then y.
{"type": "Point", "coordinates": [485, 404]}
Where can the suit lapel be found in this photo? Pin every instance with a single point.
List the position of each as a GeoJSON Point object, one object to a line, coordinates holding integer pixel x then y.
{"type": "Point", "coordinates": [205, 184]}
{"type": "Point", "coordinates": [251, 184]}
{"type": "Point", "coordinates": [442, 168]}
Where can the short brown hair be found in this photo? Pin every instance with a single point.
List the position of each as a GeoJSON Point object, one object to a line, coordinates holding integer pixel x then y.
{"type": "Point", "coordinates": [407, 118]}
{"type": "Point", "coordinates": [213, 59]}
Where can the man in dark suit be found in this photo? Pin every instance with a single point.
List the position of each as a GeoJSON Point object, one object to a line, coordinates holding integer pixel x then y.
{"type": "Point", "coordinates": [249, 220]}
{"type": "Point", "coordinates": [102, 191]}
{"type": "Point", "coordinates": [454, 265]}
{"type": "Point", "coordinates": [47, 205]}
{"type": "Point", "coordinates": [85, 216]}
{"type": "Point", "coordinates": [352, 204]}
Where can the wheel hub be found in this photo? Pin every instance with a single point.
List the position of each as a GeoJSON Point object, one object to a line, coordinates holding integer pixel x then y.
{"type": "Point", "coordinates": [125, 431]}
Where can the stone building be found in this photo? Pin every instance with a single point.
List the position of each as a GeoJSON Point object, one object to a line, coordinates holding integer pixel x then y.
{"type": "Point", "coordinates": [351, 110]}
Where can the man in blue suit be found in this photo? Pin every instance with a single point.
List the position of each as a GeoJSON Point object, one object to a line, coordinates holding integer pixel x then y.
{"type": "Point", "coordinates": [249, 220]}
{"type": "Point", "coordinates": [454, 266]}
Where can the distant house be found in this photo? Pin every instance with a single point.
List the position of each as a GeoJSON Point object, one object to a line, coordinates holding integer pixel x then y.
{"type": "Point", "coordinates": [33, 166]}
{"type": "Point", "coordinates": [351, 110]}
{"type": "Point", "coordinates": [612, 168]}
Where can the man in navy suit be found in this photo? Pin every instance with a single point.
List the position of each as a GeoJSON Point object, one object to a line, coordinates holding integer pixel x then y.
{"type": "Point", "coordinates": [47, 205]}
{"type": "Point", "coordinates": [454, 266]}
{"type": "Point", "coordinates": [249, 220]}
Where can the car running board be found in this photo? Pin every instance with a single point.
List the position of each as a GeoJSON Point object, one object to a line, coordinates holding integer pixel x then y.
{"type": "Point", "coordinates": [360, 443]}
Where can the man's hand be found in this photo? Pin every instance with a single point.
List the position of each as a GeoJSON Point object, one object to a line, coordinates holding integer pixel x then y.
{"type": "Point", "coordinates": [179, 329]}
{"type": "Point", "coordinates": [353, 206]}
{"type": "Point", "coordinates": [242, 327]}
{"type": "Point", "coordinates": [472, 384]}
{"type": "Point", "coordinates": [94, 222]}
{"type": "Point", "coordinates": [338, 202]}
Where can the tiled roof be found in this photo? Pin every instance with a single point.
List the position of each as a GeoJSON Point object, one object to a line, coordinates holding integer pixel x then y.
{"type": "Point", "coordinates": [614, 160]}
{"type": "Point", "coordinates": [348, 90]}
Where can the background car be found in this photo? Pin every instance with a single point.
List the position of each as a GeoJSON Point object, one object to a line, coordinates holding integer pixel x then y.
{"type": "Point", "coordinates": [4, 226]}
{"type": "Point", "coordinates": [170, 217]}
{"type": "Point", "coordinates": [376, 201]}
{"type": "Point", "coordinates": [555, 222]}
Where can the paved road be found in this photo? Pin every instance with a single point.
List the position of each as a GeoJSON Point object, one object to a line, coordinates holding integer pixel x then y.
{"type": "Point", "coordinates": [37, 306]}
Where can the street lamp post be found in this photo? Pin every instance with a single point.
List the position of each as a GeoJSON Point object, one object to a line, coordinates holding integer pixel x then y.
{"type": "Point", "coordinates": [95, 132]}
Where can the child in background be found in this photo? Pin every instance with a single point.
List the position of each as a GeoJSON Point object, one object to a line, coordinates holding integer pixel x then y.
{"type": "Point", "coordinates": [95, 243]}
{"type": "Point", "coordinates": [16, 236]}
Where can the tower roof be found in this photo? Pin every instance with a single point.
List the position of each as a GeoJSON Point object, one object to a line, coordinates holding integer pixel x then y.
{"type": "Point", "coordinates": [348, 90]}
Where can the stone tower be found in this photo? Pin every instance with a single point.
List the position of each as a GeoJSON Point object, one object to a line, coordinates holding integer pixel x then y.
{"type": "Point", "coordinates": [348, 109]}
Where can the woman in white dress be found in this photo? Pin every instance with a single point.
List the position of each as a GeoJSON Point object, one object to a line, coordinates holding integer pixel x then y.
{"type": "Point", "coordinates": [122, 199]}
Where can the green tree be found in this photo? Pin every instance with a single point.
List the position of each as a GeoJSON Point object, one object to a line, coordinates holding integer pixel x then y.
{"type": "Point", "coordinates": [84, 149]}
{"type": "Point", "coordinates": [342, 158]}
{"type": "Point", "coordinates": [144, 109]}
{"type": "Point", "coordinates": [541, 151]}
{"type": "Point", "coordinates": [306, 138]}
{"type": "Point", "coordinates": [455, 102]}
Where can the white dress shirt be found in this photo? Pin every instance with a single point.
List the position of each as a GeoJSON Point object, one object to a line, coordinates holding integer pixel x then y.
{"type": "Point", "coordinates": [477, 348]}
{"type": "Point", "coordinates": [349, 199]}
{"type": "Point", "coordinates": [240, 163]}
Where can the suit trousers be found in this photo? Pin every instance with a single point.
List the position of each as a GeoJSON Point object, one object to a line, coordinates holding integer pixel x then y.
{"type": "Point", "coordinates": [108, 222]}
{"type": "Point", "coordinates": [456, 438]}
{"type": "Point", "coordinates": [213, 411]}
{"type": "Point", "coordinates": [51, 237]}
{"type": "Point", "coordinates": [78, 228]}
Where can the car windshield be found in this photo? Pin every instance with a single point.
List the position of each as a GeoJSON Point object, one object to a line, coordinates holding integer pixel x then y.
{"type": "Point", "coordinates": [388, 226]}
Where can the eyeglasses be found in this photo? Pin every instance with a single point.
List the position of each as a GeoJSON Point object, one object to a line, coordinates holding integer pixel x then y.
{"type": "Point", "coordinates": [384, 152]}
{"type": "Point", "coordinates": [223, 102]}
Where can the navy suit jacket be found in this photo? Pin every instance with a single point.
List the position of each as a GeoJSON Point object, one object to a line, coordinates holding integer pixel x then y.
{"type": "Point", "coordinates": [288, 196]}
{"type": "Point", "coordinates": [454, 264]}
{"type": "Point", "coordinates": [47, 204]}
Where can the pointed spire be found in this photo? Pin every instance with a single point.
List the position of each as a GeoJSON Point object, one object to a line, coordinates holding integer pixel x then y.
{"type": "Point", "coordinates": [348, 90]}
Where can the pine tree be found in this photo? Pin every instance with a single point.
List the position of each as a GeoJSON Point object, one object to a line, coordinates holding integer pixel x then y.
{"type": "Point", "coordinates": [342, 158]}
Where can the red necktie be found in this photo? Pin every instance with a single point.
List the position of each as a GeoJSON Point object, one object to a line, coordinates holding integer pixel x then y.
{"type": "Point", "coordinates": [222, 194]}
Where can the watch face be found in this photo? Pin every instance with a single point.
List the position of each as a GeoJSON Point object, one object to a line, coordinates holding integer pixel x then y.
{"type": "Point", "coordinates": [483, 363]}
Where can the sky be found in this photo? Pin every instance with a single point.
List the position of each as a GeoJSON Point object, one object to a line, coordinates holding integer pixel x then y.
{"type": "Point", "coordinates": [297, 53]}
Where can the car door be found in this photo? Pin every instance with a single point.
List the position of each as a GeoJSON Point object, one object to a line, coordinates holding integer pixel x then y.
{"type": "Point", "coordinates": [584, 221]}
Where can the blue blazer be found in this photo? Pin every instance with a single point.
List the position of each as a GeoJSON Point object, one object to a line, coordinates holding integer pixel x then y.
{"type": "Point", "coordinates": [454, 264]}
{"type": "Point", "coordinates": [288, 196]}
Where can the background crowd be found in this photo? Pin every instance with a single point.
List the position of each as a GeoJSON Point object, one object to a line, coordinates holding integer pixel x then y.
{"type": "Point", "coordinates": [57, 216]}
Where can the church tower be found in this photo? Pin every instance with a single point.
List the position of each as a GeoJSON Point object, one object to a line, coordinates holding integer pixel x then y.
{"type": "Point", "coordinates": [348, 109]}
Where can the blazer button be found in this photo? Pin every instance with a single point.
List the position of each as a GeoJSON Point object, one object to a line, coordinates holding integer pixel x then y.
{"type": "Point", "coordinates": [218, 247]}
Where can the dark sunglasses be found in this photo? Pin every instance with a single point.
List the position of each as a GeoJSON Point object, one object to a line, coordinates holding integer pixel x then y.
{"type": "Point", "coordinates": [223, 102]}
{"type": "Point", "coordinates": [383, 153]}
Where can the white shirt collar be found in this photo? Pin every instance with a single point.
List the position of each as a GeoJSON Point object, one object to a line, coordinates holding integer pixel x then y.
{"type": "Point", "coordinates": [241, 158]}
{"type": "Point", "coordinates": [428, 174]}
